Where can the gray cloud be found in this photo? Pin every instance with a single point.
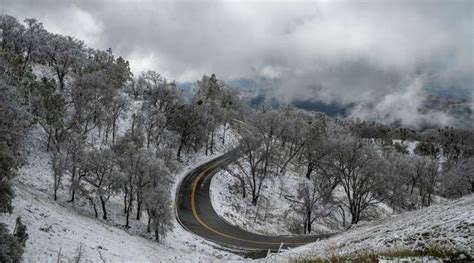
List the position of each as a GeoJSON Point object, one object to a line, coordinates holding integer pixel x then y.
{"type": "Point", "coordinates": [363, 52]}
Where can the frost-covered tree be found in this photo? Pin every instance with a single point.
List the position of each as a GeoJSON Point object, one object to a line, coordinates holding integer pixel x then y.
{"type": "Point", "coordinates": [13, 125]}
{"type": "Point", "coordinates": [11, 33]}
{"type": "Point", "coordinates": [314, 200]}
{"type": "Point", "coordinates": [259, 147]}
{"type": "Point", "coordinates": [316, 146]}
{"type": "Point", "coordinates": [11, 249]}
{"type": "Point", "coordinates": [428, 148]}
{"type": "Point", "coordinates": [20, 232]}
{"type": "Point", "coordinates": [458, 179]}
{"type": "Point", "coordinates": [156, 196]}
{"type": "Point", "coordinates": [188, 122]}
{"type": "Point", "coordinates": [292, 135]}
{"type": "Point", "coordinates": [7, 172]}
{"type": "Point", "coordinates": [428, 178]}
{"type": "Point", "coordinates": [100, 173]}
{"type": "Point", "coordinates": [359, 170]}
{"type": "Point", "coordinates": [12, 245]}
{"type": "Point", "coordinates": [74, 149]}
{"type": "Point", "coordinates": [160, 213]}
{"type": "Point", "coordinates": [130, 157]}
{"type": "Point", "coordinates": [59, 166]}
{"type": "Point", "coordinates": [62, 53]}
{"type": "Point", "coordinates": [398, 170]}
{"type": "Point", "coordinates": [34, 36]}
{"type": "Point", "coordinates": [50, 110]}
{"type": "Point", "coordinates": [161, 102]}
{"type": "Point", "coordinates": [219, 104]}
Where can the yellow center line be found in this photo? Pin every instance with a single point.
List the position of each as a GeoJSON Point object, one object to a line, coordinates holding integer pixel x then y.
{"type": "Point", "coordinates": [196, 216]}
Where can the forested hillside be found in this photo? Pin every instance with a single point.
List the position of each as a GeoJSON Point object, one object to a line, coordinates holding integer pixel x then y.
{"type": "Point", "coordinates": [111, 147]}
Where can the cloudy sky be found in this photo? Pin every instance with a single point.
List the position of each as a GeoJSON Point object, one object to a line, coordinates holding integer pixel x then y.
{"type": "Point", "coordinates": [381, 55]}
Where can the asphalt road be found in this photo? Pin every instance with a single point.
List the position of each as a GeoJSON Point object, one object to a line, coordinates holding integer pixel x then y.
{"type": "Point", "coordinates": [196, 214]}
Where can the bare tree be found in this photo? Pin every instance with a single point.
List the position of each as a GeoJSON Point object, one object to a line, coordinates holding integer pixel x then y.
{"type": "Point", "coordinates": [292, 135]}
{"type": "Point", "coordinates": [259, 147]}
{"type": "Point", "coordinates": [359, 171]}
{"type": "Point", "coordinates": [314, 200]}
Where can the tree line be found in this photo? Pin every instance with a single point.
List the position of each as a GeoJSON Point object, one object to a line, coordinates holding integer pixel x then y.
{"type": "Point", "coordinates": [82, 98]}
{"type": "Point", "coordinates": [369, 162]}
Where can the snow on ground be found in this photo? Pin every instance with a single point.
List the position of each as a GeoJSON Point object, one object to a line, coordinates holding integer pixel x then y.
{"type": "Point", "coordinates": [226, 198]}
{"type": "Point", "coordinates": [60, 228]}
{"type": "Point", "coordinates": [449, 225]}
{"type": "Point", "coordinates": [57, 231]}
{"type": "Point", "coordinates": [275, 214]}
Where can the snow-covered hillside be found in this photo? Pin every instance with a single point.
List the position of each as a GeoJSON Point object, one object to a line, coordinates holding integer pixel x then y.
{"type": "Point", "coordinates": [449, 226]}
{"type": "Point", "coordinates": [275, 213]}
{"type": "Point", "coordinates": [60, 229]}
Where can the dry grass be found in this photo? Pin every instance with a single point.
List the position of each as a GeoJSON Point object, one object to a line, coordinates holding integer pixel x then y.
{"type": "Point", "coordinates": [374, 257]}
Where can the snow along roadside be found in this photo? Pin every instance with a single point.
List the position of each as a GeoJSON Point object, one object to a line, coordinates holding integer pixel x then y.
{"type": "Point", "coordinates": [449, 225]}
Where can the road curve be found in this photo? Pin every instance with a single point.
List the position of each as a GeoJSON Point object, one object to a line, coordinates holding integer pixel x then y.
{"type": "Point", "coordinates": [195, 213]}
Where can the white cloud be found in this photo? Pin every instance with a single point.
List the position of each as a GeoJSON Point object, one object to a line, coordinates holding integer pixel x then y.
{"type": "Point", "coordinates": [344, 51]}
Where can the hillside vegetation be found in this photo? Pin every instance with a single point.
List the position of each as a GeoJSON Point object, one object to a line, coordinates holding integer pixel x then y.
{"type": "Point", "coordinates": [91, 153]}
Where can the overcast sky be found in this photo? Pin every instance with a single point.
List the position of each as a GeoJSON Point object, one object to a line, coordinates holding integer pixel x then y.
{"type": "Point", "coordinates": [376, 53]}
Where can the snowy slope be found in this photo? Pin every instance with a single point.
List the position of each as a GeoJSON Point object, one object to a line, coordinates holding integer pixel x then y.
{"type": "Point", "coordinates": [60, 228]}
{"type": "Point", "coordinates": [449, 225]}
{"type": "Point", "coordinates": [275, 214]}
{"type": "Point", "coordinates": [56, 231]}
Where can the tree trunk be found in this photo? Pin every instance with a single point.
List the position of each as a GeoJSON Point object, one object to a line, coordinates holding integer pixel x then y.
{"type": "Point", "coordinates": [179, 149]}
{"type": "Point", "coordinates": [73, 196]}
{"type": "Point", "coordinates": [355, 216]}
{"type": "Point", "coordinates": [309, 170]}
{"type": "Point", "coordinates": [104, 211]}
{"type": "Point", "coordinates": [49, 141]}
{"type": "Point", "coordinates": [96, 213]}
{"type": "Point", "coordinates": [139, 208]}
{"type": "Point", "coordinates": [148, 139]}
{"type": "Point", "coordinates": [305, 226]}
{"type": "Point", "coordinates": [73, 180]}
{"type": "Point", "coordinates": [212, 142]}
{"type": "Point", "coordinates": [127, 218]}
{"type": "Point", "coordinates": [343, 212]}
{"type": "Point", "coordinates": [223, 134]}
{"type": "Point", "coordinates": [106, 137]}
{"type": "Point", "coordinates": [254, 198]}
{"type": "Point", "coordinates": [57, 180]}
{"type": "Point", "coordinates": [309, 221]}
{"type": "Point", "coordinates": [244, 193]}
{"type": "Point", "coordinates": [113, 131]}
{"type": "Point", "coordinates": [148, 228]}
{"type": "Point", "coordinates": [207, 143]}
{"type": "Point", "coordinates": [129, 208]}
{"type": "Point", "coordinates": [125, 202]}
{"type": "Point", "coordinates": [61, 81]}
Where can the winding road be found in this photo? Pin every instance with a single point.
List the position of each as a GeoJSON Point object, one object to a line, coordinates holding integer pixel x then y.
{"type": "Point", "coordinates": [195, 213]}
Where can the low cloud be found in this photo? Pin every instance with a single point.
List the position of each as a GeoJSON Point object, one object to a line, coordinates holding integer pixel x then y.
{"type": "Point", "coordinates": [349, 52]}
{"type": "Point", "coordinates": [405, 106]}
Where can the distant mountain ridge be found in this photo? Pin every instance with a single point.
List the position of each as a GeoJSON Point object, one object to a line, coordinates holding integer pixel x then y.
{"type": "Point", "coordinates": [457, 102]}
